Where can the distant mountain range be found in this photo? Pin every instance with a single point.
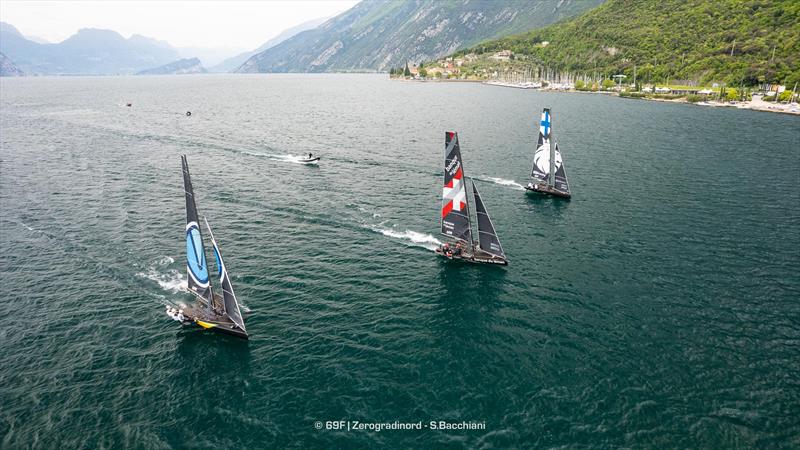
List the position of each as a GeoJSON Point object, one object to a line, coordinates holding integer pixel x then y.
{"type": "Point", "coordinates": [179, 67]}
{"type": "Point", "coordinates": [733, 41]}
{"type": "Point", "coordinates": [233, 63]}
{"type": "Point", "coordinates": [376, 35]}
{"type": "Point", "coordinates": [88, 52]}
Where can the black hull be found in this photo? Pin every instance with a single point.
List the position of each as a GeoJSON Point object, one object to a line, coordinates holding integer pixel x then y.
{"type": "Point", "coordinates": [199, 314]}
{"type": "Point", "coordinates": [475, 259]}
{"type": "Point", "coordinates": [545, 190]}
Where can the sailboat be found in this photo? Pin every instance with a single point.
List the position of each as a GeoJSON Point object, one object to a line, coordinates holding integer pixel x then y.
{"type": "Point", "coordinates": [211, 310]}
{"type": "Point", "coordinates": [456, 219]}
{"type": "Point", "coordinates": [548, 173]}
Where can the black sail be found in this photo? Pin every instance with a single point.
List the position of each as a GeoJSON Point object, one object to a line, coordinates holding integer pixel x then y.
{"type": "Point", "coordinates": [228, 297]}
{"type": "Point", "coordinates": [455, 208]}
{"type": "Point", "coordinates": [541, 157]}
{"type": "Point", "coordinates": [487, 237]}
{"type": "Point", "coordinates": [561, 174]}
{"type": "Point", "coordinates": [196, 264]}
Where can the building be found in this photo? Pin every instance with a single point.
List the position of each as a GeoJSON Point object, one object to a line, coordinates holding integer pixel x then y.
{"type": "Point", "coordinates": [502, 55]}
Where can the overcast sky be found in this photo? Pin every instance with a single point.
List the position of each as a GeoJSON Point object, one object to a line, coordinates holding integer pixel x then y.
{"type": "Point", "coordinates": [232, 24]}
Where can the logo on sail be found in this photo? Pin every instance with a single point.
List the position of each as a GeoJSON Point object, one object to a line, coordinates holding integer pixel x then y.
{"type": "Point", "coordinates": [195, 257]}
{"type": "Point", "coordinates": [542, 158]}
{"type": "Point", "coordinates": [453, 195]}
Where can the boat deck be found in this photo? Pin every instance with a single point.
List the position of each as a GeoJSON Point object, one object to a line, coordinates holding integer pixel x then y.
{"type": "Point", "coordinates": [199, 313]}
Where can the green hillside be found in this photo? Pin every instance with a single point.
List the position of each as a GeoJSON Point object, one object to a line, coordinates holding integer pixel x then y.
{"type": "Point", "coordinates": [730, 41]}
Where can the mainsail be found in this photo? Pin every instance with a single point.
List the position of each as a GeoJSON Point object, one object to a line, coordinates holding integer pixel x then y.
{"type": "Point", "coordinates": [541, 158]}
{"type": "Point", "coordinates": [195, 251]}
{"type": "Point", "coordinates": [228, 297]}
{"type": "Point", "coordinates": [455, 209]}
{"type": "Point", "coordinates": [489, 242]}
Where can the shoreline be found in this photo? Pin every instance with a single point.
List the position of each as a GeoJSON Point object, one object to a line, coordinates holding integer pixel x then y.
{"type": "Point", "coordinates": [753, 105]}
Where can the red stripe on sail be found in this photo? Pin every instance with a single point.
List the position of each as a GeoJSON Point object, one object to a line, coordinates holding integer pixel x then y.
{"type": "Point", "coordinates": [458, 175]}
{"type": "Point", "coordinates": [449, 184]}
{"type": "Point", "coordinates": [447, 208]}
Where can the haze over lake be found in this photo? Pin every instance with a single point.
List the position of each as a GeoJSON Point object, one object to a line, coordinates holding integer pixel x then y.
{"type": "Point", "coordinates": [658, 308]}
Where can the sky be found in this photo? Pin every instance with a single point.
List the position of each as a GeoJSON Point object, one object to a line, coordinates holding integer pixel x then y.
{"type": "Point", "coordinates": [242, 25]}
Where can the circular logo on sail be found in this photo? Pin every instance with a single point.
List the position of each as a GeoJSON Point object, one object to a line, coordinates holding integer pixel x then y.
{"type": "Point", "coordinates": [195, 256]}
{"type": "Point", "coordinates": [542, 159]}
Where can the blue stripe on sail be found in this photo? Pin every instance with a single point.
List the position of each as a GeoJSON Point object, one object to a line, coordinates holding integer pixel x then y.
{"type": "Point", "coordinates": [219, 264]}
{"type": "Point", "coordinates": [195, 257]}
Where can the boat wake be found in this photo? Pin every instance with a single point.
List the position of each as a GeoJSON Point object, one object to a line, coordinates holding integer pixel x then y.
{"type": "Point", "coordinates": [502, 182]}
{"type": "Point", "coordinates": [171, 281]}
{"type": "Point", "coordinates": [410, 238]}
{"type": "Point", "coordinates": [296, 159]}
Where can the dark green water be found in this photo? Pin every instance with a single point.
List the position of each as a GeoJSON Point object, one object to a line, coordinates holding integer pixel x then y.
{"type": "Point", "coordinates": [658, 308]}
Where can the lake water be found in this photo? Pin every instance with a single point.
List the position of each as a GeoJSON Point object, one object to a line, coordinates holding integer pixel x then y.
{"type": "Point", "coordinates": [658, 308]}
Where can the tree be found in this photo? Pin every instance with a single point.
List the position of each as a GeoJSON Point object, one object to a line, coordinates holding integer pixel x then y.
{"type": "Point", "coordinates": [406, 72]}
{"type": "Point", "coordinates": [785, 96]}
{"type": "Point", "coordinates": [421, 66]}
{"type": "Point", "coordinates": [608, 84]}
{"type": "Point", "coordinates": [422, 72]}
{"type": "Point", "coordinates": [731, 94]}
{"type": "Point", "coordinates": [579, 84]}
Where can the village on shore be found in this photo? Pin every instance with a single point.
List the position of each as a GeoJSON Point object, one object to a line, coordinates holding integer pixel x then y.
{"type": "Point", "coordinates": [472, 68]}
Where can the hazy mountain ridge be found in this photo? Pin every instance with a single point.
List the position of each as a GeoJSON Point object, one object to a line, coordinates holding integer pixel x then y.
{"type": "Point", "coordinates": [179, 67]}
{"type": "Point", "coordinates": [375, 35]}
{"type": "Point", "coordinates": [90, 51]}
{"type": "Point", "coordinates": [234, 62]}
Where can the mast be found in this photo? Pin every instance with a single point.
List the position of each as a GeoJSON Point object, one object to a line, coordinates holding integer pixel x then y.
{"type": "Point", "coordinates": [551, 173]}
{"type": "Point", "coordinates": [196, 266]}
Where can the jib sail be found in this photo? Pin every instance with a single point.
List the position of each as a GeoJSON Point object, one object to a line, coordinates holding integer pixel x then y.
{"type": "Point", "coordinates": [561, 182]}
{"type": "Point", "coordinates": [228, 297]}
{"type": "Point", "coordinates": [487, 237]}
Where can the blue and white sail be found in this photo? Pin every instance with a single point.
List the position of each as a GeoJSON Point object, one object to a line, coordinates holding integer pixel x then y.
{"type": "Point", "coordinates": [230, 304]}
{"type": "Point", "coordinates": [548, 166]}
{"type": "Point", "coordinates": [196, 265]}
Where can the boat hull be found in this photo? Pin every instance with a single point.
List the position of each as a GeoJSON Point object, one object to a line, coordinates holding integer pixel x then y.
{"type": "Point", "coordinates": [547, 190]}
{"type": "Point", "coordinates": [199, 314]}
{"type": "Point", "coordinates": [474, 259]}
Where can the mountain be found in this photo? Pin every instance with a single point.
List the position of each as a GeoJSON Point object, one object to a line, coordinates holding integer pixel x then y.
{"type": "Point", "coordinates": [8, 68]}
{"type": "Point", "coordinates": [209, 56]}
{"type": "Point", "coordinates": [732, 41]}
{"type": "Point", "coordinates": [179, 67]}
{"type": "Point", "coordinates": [232, 63]}
{"type": "Point", "coordinates": [88, 52]}
{"type": "Point", "coordinates": [375, 35]}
